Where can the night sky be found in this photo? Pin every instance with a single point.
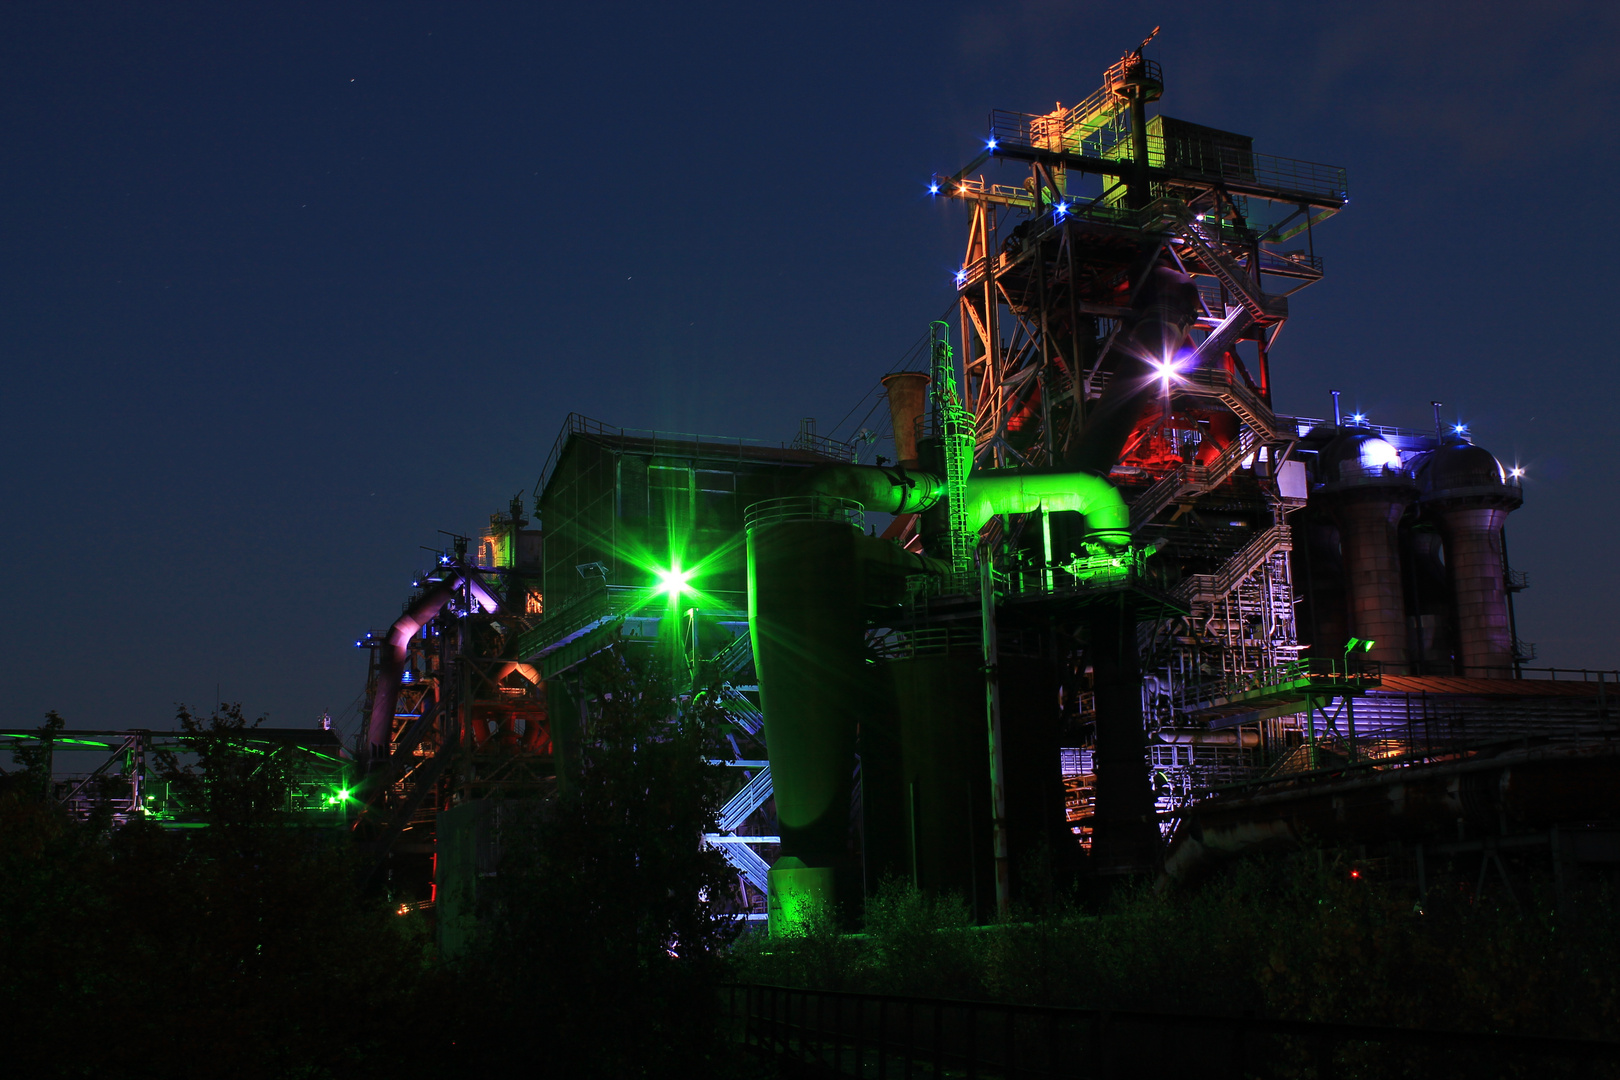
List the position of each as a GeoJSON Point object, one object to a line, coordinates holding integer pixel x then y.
{"type": "Point", "coordinates": [287, 289]}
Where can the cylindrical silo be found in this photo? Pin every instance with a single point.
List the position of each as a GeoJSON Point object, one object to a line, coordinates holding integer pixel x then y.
{"type": "Point", "coordinates": [806, 622]}
{"type": "Point", "coordinates": [1469, 492]}
{"type": "Point", "coordinates": [908, 396]}
{"type": "Point", "coordinates": [944, 782]}
{"type": "Point", "coordinates": [1368, 490]}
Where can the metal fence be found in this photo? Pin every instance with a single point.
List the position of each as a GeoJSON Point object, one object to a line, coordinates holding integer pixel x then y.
{"type": "Point", "coordinates": [831, 1033]}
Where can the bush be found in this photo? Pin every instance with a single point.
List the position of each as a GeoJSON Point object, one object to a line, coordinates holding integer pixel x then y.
{"type": "Point", "coordinates": [241, 949]}
{"type": "Point", "coordinates": [1292, 937]}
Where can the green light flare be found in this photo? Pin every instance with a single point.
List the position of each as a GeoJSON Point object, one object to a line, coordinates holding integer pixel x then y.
{"type": "Point", "coordinates": [673, 581]}
{"type": "Point", "coordinates": [674, 574]}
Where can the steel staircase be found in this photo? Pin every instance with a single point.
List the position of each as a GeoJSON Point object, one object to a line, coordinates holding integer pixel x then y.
{"type": "Point", "coordinates": [731, 660]}
{"type": "Point", "coordinates": [1191, 479]}
{"type": "Point", "coordinates": [1226, 272]}
{"type": "Point", "coordinates": [1278, 538]}
{"type": "Point", "coordinates": [746, 801]}
{"type": "Point", "coordinates": [742, 857]}
{"type": "Point", "coordinates": [1222, 336]}
{"type": "Point", "coordinates": [743, 712]}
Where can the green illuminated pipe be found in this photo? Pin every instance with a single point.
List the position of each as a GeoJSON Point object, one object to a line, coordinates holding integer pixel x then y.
{"type": "Point", "coordinates": [992, 492]}
{"type": "Point", "coordinates": [878, 488]}
{"type": "Point", "coordinates": [1013, 491]}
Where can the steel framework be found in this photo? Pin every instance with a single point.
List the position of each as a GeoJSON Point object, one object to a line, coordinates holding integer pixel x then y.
{"type": "Point", "coordinates": [1049, 288]}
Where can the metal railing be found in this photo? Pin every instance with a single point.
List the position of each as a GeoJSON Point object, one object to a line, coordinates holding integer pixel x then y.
{"type": "Point", "coordinates": [1599, 675]}
{"type": "Point", "coordinates": [943, 640]}
{"type": "Point", "coordinates": [1238, 567]}
{"type": "Point", "coordinates": [1177, 157]}
{"type": "Point", "coordinates": [672, 443]}
{"type": "Point", "coordinates": [1082, 573]}
{"type": "Point", "coordinates": [804, 508]}
{"type": "Point", "coordinates": [1359, 675]}
{"type": "Point", "coordinates": [838, 1033]}
{"type": "Point", "coordinates": [836, 449]}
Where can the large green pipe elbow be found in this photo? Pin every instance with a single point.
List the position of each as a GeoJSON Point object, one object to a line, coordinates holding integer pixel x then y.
{"type": "Point", "coordinates": [1020, 492]}
{"type": "Point", "coordinates": [999, 491]}
{"type": "Point", "coordinates": [878, 488]}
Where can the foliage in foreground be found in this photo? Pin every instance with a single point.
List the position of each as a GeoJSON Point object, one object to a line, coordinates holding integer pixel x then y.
{"type": "Point", "coordinates": [241, 949]}
{"type": "Point", "coordinates": [1294, 937]}
{"type": "Point", "coordinates": [247, 948]}
{"type": "Point", "coordinates": [600, 948]}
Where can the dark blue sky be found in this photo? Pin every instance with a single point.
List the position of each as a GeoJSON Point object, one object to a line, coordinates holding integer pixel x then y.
{"type": "Point", "coordinates": [284, 289]}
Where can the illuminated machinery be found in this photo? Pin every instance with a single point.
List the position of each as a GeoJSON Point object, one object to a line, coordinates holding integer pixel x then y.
{"type": "Point", "coordinates": [642, 551]}
{"type": "Point", "coordinates": [446, 716]}
{"type": "Point", "coordinates": [1118, 307]}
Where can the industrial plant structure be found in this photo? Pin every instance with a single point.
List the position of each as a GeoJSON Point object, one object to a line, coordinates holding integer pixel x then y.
{"type": "Point", "coordinates": [1099, 607]}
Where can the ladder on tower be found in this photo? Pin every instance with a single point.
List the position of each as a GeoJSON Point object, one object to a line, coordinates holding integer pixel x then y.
{"type": "Point", "coordinates": [955, 425]}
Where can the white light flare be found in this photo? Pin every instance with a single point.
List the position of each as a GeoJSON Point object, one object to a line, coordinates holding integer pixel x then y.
{"type": "Point", "coordinates": [1166, 371]}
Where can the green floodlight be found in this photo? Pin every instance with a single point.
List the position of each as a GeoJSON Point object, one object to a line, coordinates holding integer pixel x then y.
{"type": "Point", "coordinates": [674, 581]}
{"type": "Point", "coordinates": [1358, 645]}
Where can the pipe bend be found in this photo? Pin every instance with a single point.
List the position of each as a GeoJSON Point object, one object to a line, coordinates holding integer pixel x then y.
{"type": "Point", "coordinates": [391, 663]}
{"type": "Point", "coordinates": [1022, 491]}
{"type": "Point", "coordinates": [880, 488]}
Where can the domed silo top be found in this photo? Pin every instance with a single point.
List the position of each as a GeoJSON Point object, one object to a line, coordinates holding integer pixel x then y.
{"type": "Point", "coordinates": [1463, 470]}
{"type": "Point", "coordinates": [1358, 457]}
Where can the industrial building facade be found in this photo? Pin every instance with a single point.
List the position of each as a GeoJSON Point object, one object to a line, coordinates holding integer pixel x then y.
{"type": "Point", "coordinates": [1097, 605]}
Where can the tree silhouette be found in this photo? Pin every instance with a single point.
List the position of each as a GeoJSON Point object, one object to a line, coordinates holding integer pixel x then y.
{"type": "Point", "coordinates": [599, 928]}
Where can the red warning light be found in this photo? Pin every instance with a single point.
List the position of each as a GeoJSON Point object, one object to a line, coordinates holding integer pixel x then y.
{"type": "Point", "coordinates": [1355, 873]}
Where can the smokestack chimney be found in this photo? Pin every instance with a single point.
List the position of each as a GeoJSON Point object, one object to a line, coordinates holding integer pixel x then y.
{"type": "Point", "coordinates": [907, 397]}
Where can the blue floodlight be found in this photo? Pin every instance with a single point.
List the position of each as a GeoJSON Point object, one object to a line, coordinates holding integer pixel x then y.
{"type": "Point", "coordinates": [933, 189]}
{"type": "Point", "coordinates": [1459, 429]}
{"type": "Point", "coordinates": [990, 143]}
